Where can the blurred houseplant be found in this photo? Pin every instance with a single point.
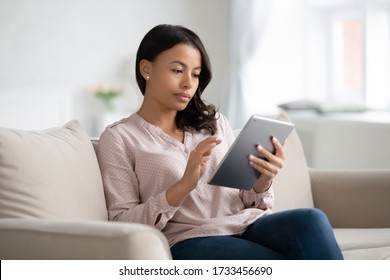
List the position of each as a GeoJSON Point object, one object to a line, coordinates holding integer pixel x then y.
{"type": "Point", "coordinates": [107, 94]}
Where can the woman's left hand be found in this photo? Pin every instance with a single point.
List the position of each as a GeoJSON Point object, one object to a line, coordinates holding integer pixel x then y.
{"type": "Point", "coordinates": [268, 167]}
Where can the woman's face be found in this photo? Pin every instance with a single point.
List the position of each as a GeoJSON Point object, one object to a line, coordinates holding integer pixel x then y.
{"type": "Point", "coordinates": [173, 77]}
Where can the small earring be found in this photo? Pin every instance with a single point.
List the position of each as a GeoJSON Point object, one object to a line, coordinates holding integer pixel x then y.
{"type": "Point", "coordinates": [147, 77]}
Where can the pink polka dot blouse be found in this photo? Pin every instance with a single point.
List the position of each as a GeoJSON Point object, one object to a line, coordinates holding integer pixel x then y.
{"type": "Point", "coordinates": [139, 161]}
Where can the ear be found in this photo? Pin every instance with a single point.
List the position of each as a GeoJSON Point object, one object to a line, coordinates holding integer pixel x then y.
{"type": "Point", "coordinates": [145, 67]}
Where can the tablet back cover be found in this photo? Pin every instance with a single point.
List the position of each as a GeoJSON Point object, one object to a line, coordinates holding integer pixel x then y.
{"type": "Point", "coordinates": [234, 171]}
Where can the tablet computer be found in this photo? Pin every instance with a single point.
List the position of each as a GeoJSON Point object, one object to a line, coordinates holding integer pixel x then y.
{"type": "Point", "coordinates": [234, 170]}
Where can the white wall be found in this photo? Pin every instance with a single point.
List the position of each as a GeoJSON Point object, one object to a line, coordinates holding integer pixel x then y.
{"type": "Point", "coordinates": [64, 46]}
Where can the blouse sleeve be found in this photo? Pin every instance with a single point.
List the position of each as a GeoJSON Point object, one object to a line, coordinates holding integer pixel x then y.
{"type": "Point", "coordinates": [121, 186]}
{"type": "Point", "coordinates": [262, 201]}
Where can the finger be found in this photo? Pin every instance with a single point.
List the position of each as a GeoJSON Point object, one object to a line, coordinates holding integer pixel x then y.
{"type": "Point", "coordinates": [263, 165]}
{"type": "Point", "coordinates": [205, 160]}
{"type": "Point", "coordinates": [278, 147]}
{"type": "Point", "coordinates": [205, 146]}
{"type": "Point", "coordinates": [265, 173]}
{"type": "Point", "coordinates": [276, 158]}
{"type": "Point", "coordinates": [267, 154]}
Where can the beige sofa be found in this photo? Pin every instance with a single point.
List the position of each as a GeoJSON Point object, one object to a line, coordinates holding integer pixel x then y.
{"type": "Point", "coordinates": [52, 203]}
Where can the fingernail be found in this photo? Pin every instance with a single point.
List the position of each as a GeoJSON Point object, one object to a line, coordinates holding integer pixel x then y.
{"type": "Point", "coordinates": [259, 148]}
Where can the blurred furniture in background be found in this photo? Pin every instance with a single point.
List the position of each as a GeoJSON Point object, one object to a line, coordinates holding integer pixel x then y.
{"type": "Point", "coordinates": [344, 140]}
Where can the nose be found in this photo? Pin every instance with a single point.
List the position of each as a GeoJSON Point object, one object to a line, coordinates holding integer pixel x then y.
{"type": "Point", "coordinates": [187, 81]}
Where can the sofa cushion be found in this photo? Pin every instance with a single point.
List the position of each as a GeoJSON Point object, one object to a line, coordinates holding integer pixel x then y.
{"type": "Point", "coordinates": [50, 174]}
{"type": "Point", "coordinates": [292, 184]}
{"type": "Point", "coordinates": [364, 243]}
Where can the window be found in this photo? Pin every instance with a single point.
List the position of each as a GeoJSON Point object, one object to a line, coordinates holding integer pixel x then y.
{"type": "Point", "coordinates": [335, 51]}
{"type": "Point", "coordinates": [348, 52]}
{"type": "Point", "coordinates": [346, 39]}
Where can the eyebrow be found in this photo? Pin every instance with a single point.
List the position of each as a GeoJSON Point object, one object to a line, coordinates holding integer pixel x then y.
{"type": "Point", "coordinates": [183, 64]}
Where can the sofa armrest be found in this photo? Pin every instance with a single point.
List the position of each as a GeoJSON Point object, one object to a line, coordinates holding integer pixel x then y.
{"type": "Point", "coordinates": [54, 239]}
{"type": "Point", "coordinates": [353, 198]}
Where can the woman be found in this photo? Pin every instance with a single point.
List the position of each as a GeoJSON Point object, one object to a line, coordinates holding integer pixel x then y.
{"type": "Point", "coordinates": [155, 165]}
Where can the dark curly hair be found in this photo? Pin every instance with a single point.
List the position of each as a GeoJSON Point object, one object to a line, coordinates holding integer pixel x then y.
{"type": "Point", "coordinates": [197, 115]}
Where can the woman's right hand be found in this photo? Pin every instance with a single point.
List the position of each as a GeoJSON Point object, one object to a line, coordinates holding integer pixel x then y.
{"type": "Point", "coordinates": [195, 168]}
{"type": "Point", "coordinates": [197, 161]}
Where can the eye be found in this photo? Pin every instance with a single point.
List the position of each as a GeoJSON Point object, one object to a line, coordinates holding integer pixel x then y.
{"type": "Point", "coordinates": [196, 75]}
{"type": "Point", "coordinates": [177, 71]}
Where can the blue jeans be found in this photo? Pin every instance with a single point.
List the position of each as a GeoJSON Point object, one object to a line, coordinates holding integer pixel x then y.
{"type": "Point", "coordinates": [293, 234]}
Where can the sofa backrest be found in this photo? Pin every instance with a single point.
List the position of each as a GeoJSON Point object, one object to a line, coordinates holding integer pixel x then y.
{"type": "Point", "coordinates": [50, 174]}
{"type": "Point", "coordinates": [292, 185]}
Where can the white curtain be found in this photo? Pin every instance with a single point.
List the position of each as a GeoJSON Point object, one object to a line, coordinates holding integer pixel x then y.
{"type": "Point", "coordinates": [266, 57]}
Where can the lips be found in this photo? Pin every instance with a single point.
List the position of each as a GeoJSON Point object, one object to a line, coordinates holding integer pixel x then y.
{"type": "Point", "coordinates": [183, 96]}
